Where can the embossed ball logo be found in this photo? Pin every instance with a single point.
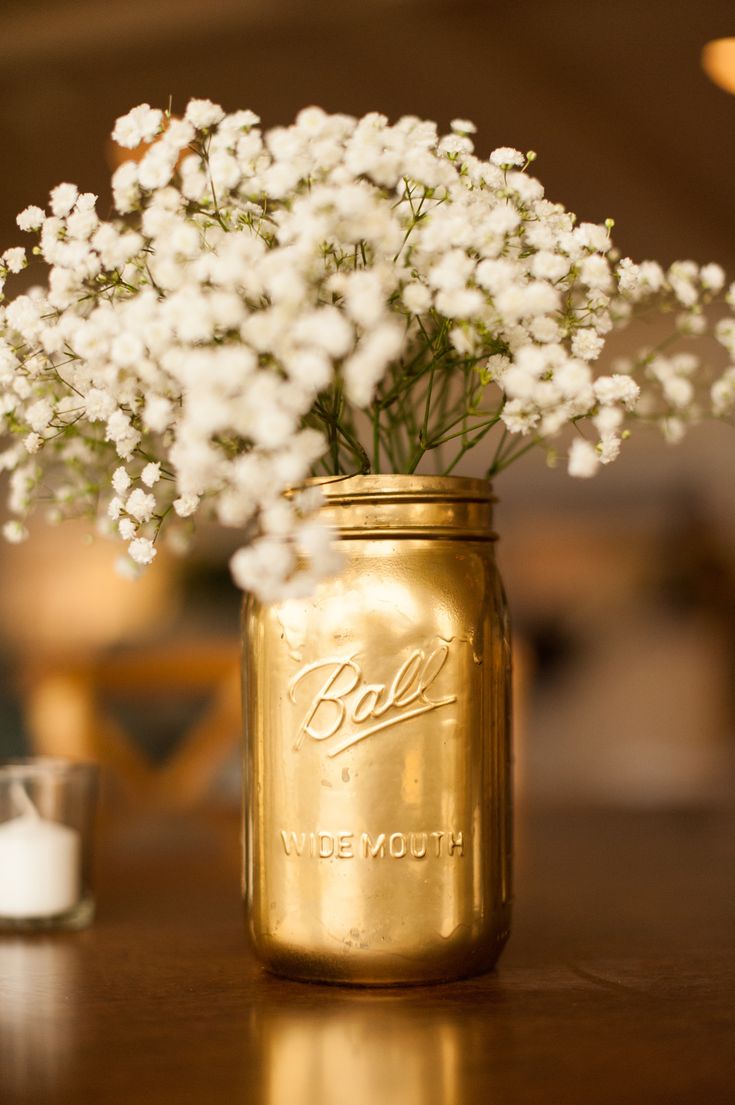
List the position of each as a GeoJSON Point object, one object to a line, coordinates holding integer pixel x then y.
{"type": "Point", "coordinates": [345, 709]}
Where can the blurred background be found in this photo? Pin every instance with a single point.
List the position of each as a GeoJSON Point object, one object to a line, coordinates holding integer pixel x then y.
{"type": "Point", "coordinates": [622, 588]}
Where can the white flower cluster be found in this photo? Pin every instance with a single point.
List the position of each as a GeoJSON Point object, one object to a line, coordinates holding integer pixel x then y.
{"type": "Point", "coordinates": [208, 348]}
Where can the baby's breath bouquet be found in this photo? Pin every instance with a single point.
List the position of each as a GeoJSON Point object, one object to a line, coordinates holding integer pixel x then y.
{"type": "Point", "coordinates": [333, 297]}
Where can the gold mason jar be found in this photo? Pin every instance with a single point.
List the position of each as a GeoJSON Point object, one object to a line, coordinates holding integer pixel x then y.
{"type": "Point", "coordinates": [377, 720]}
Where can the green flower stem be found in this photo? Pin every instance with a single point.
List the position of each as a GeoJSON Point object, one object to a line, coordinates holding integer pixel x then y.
{"type": "Point", "coordinates": [166, 472]}
{"type": "Point", "coordinates": [334, 428]}
{"type": "Point", "coordinates": [394, 434]}
{"type": "Point", "coordinates": [405, 380]}
{"type": "Point", "coordinates": [355, 446]}
{"type": "Point", "coordinates": [376, 437]}
{"type": "Point", "coordinates": [388, 446]}
{"type": "Point", "coordinates": [468, 444]}
{"type": "Point", "coordinates": [498, 453]}
{"type": "Point", "coordinates": [159, 521]}
{"type": "Point", "coordinates": [438, 437]}
{"type": "Point", "coordinates": [511, 457]}
{"type": "Point", "coordinates": [484, 426]}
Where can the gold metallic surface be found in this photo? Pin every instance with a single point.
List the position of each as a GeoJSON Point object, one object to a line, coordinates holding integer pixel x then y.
{"type": "Point", "coordinates": [377, 826]}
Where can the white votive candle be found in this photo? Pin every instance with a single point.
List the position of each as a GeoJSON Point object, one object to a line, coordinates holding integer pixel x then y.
{"type": "Point", "coordinates": [40, 866]}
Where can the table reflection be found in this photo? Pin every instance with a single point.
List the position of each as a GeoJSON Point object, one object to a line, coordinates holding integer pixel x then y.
{"type": "Point", "coordinates": [38, 1015]}
{"type": "Point", "coordinates": [328, 1047]}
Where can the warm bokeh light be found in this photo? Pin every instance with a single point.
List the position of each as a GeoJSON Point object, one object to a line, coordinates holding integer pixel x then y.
{"type": "Point", "coordinates": [66, 594]}
{"type": "Point", "coordinates": [718, 62]}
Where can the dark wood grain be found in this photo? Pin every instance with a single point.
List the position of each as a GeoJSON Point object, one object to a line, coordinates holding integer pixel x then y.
{"type": "Point", "coordinates": [618, 985]}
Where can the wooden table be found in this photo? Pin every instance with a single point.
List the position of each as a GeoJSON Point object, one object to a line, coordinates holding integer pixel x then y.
{"type": "Point", "coordinates": [618, 985]}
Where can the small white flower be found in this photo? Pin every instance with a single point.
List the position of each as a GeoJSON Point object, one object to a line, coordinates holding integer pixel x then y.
{"type": "Point", "coordinates": [609, 449]}
{"type": "Point", "coordinates": [651, 275]}
{"type": "Point", "coordinates": [617, 388]}
{"type": "Point", "coordinates": [127, 529]}
{"type": "Point", "coordinates": [185, 505]}
{"type": "Point", "coordinates": [120, 430]}
{"type": "Point", "coordinates": [63, 198]}
{"type": "Point", "coordinates": [125, 189]}
{"type": "Point", "coordinates": [496, 367]}
{"type": "Point", "coordinates": [142, 550]}
{"type": "Point", "coordinates": [629, 278]}
{"type": "Point", "coordinates": [310, 367]}
{"type": "Point", "coordinates": [678, 391]}
{"type": "Point", "coordinates": [519, 417]}
{"type": "Point", "coordinates": [573, 381]}
{"type": "Point", "coordinates": [258, 567]}
{"type": "Point", "coordinates": [121, 480]}
{"type": "Point", "coordinates": [365, 367]}
{"type": "Point", "coordinates": [587, 344]}
{"type": "Point", "coordinates": [505, 157]}
{"type": "Point", "coordinates": [141, 124]}
{"type": "Point", "coordinates": [463, 126]}
{"type": "Point", "coordinates": [39, 415]}
{"type": "Point", "coordinates": [517, 302]}
{"type": "Point", "coordinates": [547, 265]}
{"type": "Point", "coordinates": [157, 167]}
{"type": "Point", "coordinates": [595, 272]}
{"type": "Point", "coordinates": [31, 218]}
{"type": "Point", "coordinates": [460, 303]}
{"type": "Point", "coordinates": [157, 413]}
{"type": "Point", "coordinates": [544, 329]}
{"type": "Point", "coordinates": [203, 113]}
{"type": "Point", "coordinates": [417, 298]}
{"type": "Point", "coordinates": [691, 322]}
{"type": "Point", "coordinates": [725, 334]}
{"type": "Point", "coordinates": [452, 271]}
{"type": "Point", "coordinates": [15, 259]}
{"type": "Point", "coordinates": [607, 421]}
{"type": "Point", "coordinates": [126, 350]}
{"type": "Point", "coordinates": [140, 505]}
{"type": "Point", "coordinates": [463, 339]}
{"type": "Point", "coordinates": [81, 224]}
{"type": "Point", "coordinates": [99, 405]}
{"type": "Point", "coordinates": [682, 276]}
{"type": "Point", "coordinates": [151, 474]}
{"type": "Point", "coordinates": [15, 532]}
{"type": "Point", "coordinates": [178, 134]}
{"type": "Point", "coordinates": [722, 393]}
{"type": "Point", "coordinates": [326, 329]}
{"type": "Point", "coordinates": [593, 236]}
{"type": "Point", "coordinates": [584, 459]}
{"type": "Point", "coordinates": [673, 429]}
{"type": "Point", "coordinates": [364, 298]}
{"type": "Point", "coordinates": [497, 275]}
{"type": "Point", "coordinates": [712, 277]}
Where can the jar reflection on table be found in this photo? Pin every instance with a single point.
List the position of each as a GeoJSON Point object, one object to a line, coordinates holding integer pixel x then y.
{"type": "Point", "coordinates": [368, 1049]}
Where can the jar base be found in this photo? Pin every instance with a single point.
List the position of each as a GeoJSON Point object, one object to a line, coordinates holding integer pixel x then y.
{"type": "Point", "coordinates": [300, 966]}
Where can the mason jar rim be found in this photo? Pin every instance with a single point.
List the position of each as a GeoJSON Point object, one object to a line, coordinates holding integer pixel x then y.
{"type": "Point", "coordinates": [407, 506]}
{"type": "Point", "coordinates": [391, 485]}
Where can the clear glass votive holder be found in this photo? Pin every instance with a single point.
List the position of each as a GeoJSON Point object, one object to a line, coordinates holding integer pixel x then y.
{"type": "Point", "coordinates": [47, 810]}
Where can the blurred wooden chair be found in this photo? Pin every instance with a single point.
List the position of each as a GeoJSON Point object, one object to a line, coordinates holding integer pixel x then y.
{"type": "Point", "coordinates": [76, 629]}
{"type": "Point", "coordinates": [70, 712]}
